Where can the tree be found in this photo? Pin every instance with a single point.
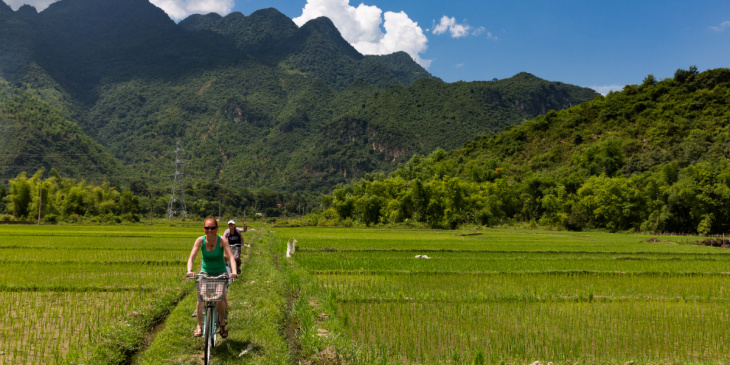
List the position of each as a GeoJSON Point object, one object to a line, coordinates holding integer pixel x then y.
{"type": "Point", "coordinates": [613, 203]}
{"type": "Point", "coordinates": [20, 196]}
{"type": "Point", "coordinates": [139, 187]}
{"type": "Point", "coordinates": [368, 206]}
{"type": "Point", "coordinates": [650, 80]}
{"type": "Point", "coordinates": [3, 192]}
{"type": "Point", "coordinates": [683, 76]}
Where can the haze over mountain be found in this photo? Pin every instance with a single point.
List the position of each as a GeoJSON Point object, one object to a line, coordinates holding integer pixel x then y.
{"type": "Point", "coordinates": [256, 101]}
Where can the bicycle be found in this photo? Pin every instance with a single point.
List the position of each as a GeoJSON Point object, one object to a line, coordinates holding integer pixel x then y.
{"type": "Point", "coordinates": [236, 251]}
{"type": "Point", "coordinates": [211, 290]}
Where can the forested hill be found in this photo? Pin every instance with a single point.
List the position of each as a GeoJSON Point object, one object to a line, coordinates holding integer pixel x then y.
{"type": "Point", "coordinates": [256, 101]}
{"type": "Point", "coordinates": [35, 136]}
{"type": "Point", "coordinates": [653, 157]}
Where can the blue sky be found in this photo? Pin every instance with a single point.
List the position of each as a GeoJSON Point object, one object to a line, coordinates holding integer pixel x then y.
{"type": "Point", "coordinates": [597, 44]}
{"type": "Point", "coordinates": [587, 43]}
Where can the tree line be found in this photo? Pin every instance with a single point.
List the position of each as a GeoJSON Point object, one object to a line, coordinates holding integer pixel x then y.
{"type": "Point", "coordinates": [57, 199]}
{"type": "Point", "coordinates": [695, 199]}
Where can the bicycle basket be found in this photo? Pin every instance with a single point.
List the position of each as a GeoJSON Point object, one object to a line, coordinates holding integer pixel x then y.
{"type": "Point", "coordinates": [211, 290]}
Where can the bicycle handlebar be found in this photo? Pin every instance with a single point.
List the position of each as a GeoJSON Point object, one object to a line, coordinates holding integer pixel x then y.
{"type": "Point", "coordinates": [223, 276]}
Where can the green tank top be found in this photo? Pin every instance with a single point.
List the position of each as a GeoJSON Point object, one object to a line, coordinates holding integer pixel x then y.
{"type": "Point", "coordinates": [213, 261]}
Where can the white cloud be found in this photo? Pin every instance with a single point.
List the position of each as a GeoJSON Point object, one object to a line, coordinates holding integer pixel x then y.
{"type": "Point", "coordinates": [361, 27]}
{"type": "Point", "coordinates": [39, 5]}
{"type": "Point", "coordinates": [604, 90]}
{"type": "Point", "coordinates": [176, 9]}
{"type": "Point", "coordinates": [458, 30]}
{"type": "Point", "coordinates": [723, 26]}
{"type": "Point", "coordinates": [181, 9]}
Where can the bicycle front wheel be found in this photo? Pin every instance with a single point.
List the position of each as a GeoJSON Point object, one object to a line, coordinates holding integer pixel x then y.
{"type": "Point", "coordinates": [214, 325]}
{"type": "Point", "coordinates": [209, 338]}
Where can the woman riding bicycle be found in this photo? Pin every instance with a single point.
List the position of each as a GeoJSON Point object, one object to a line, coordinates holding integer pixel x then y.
{"type": "Point", "coordinates": [234, 237]}
{"type": "Point", "coordinates": [212, 247]}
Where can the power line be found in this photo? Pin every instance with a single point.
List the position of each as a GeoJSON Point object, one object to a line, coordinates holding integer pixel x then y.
{"type": "Point", "coordinates": [48, 154]}
{"type": "Point", "coordinates": [91, 171]}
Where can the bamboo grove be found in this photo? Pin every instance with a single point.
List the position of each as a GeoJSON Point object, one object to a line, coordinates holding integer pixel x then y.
{"type": "Point", "coordinates": [59, 199]}
{"type": "Point", "coordinates": [69, 200]}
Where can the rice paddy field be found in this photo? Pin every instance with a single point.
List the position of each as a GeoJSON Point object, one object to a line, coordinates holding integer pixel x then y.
{"type": "Point", "coordinates": [61, 286]}
{"type": "Point", "coordinates": [508, 296]}
{"type": "Point", "coordinates": [491, 296]}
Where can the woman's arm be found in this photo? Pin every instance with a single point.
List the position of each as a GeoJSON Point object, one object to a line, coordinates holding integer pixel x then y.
{"type": "Point", "coordinates": [193, 253]}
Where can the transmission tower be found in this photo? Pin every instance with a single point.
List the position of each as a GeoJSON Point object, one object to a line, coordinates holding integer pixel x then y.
{"type": "Point", "coordinates": [177, 205]}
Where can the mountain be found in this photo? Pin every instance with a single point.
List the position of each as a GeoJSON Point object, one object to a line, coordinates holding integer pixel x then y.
{"type": "Point", "coordinates": [654, 157]}
{"type": "Point", "coordinates": [5, 10]}
{"type": "Point", "coordinates": [256, 101]}
{"type": "Point", "coordinates": [34, 136]}
{"type": "Point", "coordinates": [316, 49]}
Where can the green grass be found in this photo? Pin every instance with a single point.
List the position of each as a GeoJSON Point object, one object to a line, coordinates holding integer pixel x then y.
{"type": "Point", "coordinates": [72, 293]}
{"type": "Point", "coordinates": [94, 294]}
{"type": "Point", "coordinates": [517, 296]}
{"type": "Point", "coordinates": [380, 262]}
{"type": "Point", "coordinates": [39, 327]}
{"type": "Point", "coordinates": [360, 296]}
{"type": "Point", "coordinates": [496, 240]}
{"type": "Point", "coordinates": [521, 332]}
{"type": "Point", "coordinates": [527, 287]}
{"type": "Point", "coordinates": [257, 312]}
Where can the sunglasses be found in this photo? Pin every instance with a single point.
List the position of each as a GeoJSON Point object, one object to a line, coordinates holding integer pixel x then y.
{"type": "Point", "coordinates": [210, 228]}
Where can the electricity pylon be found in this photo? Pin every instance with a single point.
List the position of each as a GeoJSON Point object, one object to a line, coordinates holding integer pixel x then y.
{"type": "Point", "coordinates": [177, 205]}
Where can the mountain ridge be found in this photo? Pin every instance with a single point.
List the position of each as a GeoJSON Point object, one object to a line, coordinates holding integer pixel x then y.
{"type": "Point", "coordinates": [303, 116]}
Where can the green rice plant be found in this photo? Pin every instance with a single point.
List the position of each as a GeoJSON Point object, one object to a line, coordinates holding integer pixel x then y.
{"type": "Point", "coordinates": [379, 262]}
{"type": "Point", "coordinates": [98, 255]}
{"type": "Point", "coordinates": [84, 276]}
{"type": "Point", "coordinates": [526, 286]}
{"type": "Point", "coordinates": [495, 240]}
{"type": "Point", "coordinates": [521, 332]}
{"type": "Point", "coordinates": [61, 286]}
{"type": "Point", "coordinates": [513, 297]}
{"type": "Point", "coordinates": [51, 323]}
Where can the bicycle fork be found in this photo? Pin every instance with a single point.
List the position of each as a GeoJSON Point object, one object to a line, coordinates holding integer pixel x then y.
{"type": "Point", "coordinates": [210, 323]}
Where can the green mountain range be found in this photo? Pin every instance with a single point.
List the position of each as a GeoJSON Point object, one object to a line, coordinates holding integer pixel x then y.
{"type": "Point", "coordinates": [256, 101]}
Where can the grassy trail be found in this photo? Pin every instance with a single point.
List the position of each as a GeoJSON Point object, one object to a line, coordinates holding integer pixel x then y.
{"type": "Point", "coordinates": [258, 310]}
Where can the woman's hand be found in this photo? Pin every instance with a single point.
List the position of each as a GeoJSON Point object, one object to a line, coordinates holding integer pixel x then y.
{"type": "Point", "coordinates": [233, 275]}
{"type": "Point", "coordinates": [191, 274]}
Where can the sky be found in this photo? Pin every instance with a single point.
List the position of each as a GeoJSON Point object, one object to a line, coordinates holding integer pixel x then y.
{"type": "Point", "coordinates": [601, 44]}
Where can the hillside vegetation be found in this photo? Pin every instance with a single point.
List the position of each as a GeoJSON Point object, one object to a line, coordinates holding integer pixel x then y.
{"type": "Point", "coordinates": [257, 102]}
{"type": "Point", "coordinates": [34, 135]}
{"type": "Point", "coordinates": [653, 157]}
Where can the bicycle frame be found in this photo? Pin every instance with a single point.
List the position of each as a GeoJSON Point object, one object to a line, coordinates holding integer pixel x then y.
{"type": "Point", "coordinates": [210, 327]}
{"type": "Point", "coordinates": [210, 290]}
{"type": "Point", "coordinates": [236, 251]}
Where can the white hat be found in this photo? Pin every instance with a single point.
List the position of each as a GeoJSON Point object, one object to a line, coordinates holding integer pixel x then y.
{"type": "Point", "coordinates": [231, 221]}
